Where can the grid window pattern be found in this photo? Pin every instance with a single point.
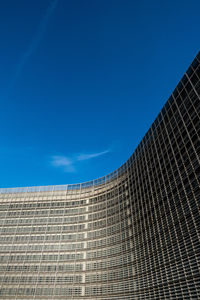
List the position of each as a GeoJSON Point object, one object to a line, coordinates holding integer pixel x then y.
{"type": "Point", "coordinates": [133, 234]}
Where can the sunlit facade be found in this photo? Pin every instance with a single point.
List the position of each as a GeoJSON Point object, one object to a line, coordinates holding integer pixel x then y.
{"type": "Point", "coordinates": [134, 234]}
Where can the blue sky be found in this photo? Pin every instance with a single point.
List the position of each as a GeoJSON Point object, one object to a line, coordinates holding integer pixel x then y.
{"type": "Point", "coordinates": [82, 81]}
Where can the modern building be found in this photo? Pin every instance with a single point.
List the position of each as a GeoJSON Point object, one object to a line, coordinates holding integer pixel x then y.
{"type": "Point", "coordinates": [133, 234]}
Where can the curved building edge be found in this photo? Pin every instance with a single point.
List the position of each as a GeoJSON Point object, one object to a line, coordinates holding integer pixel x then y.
{"type": "Point", "coordinates": [133, 234]}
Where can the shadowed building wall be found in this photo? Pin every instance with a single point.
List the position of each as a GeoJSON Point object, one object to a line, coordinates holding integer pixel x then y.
{"type": "Point", "coordinates": [133, 234]}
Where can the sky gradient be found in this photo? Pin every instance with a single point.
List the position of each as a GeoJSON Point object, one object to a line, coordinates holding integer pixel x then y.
{"type": "Point", "coordinates": [82, 81]}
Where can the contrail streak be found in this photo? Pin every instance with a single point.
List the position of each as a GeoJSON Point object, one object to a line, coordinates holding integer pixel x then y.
{"type": "Point", "coordinates": [35, 41]}
{"type": "Point", "coordinates": [69, 163]}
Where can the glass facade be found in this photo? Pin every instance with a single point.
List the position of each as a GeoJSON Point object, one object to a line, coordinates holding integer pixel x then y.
{"type": "Point", "coordinates": [133, 234]}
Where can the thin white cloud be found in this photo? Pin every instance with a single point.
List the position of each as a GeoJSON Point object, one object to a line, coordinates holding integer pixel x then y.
{"type": "Point", "coordinates": [35, 40]}
{"type": "Point", "coordinates": [70, 163]}
{"type": "Point", "coordinates": [64, 162]}
{"type": "Point", "coordinates": [84, 156]}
